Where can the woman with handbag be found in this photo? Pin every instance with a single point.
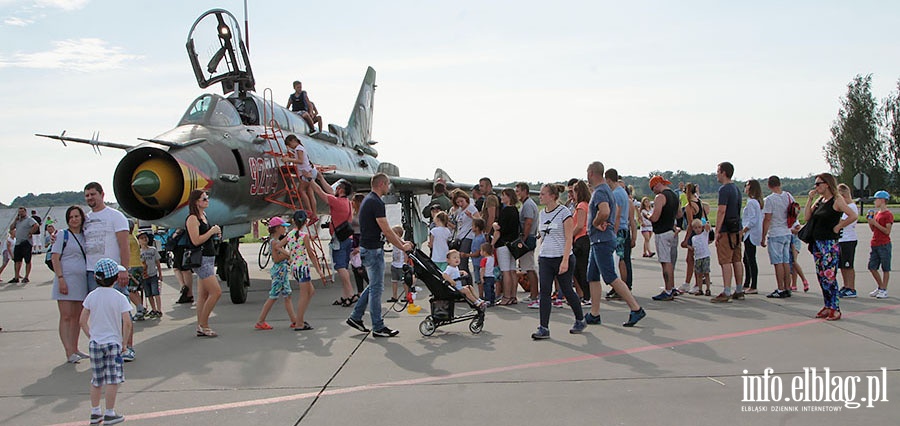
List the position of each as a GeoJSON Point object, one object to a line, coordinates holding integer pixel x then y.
{"type": "Point", "coordinates": [201, 236]}
{"type": "Point", "coordinates": [752, 231]}
{"type": "Point", "coordinates": [70, 286]}
{"type": "Point", "coordinates": [506, 230]}
{"type": "Point", "coordinates": [824, 219]}
{"type": "Point", "coordinates": [581, 246]}
{"type": "Point", "coordinates": [463, 212]}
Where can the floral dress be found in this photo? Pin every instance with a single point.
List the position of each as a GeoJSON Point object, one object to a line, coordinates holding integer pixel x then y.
{"type": "Point", "coordinates": [299, 258]}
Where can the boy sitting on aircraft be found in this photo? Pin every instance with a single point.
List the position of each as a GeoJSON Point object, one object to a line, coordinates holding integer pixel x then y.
{"type": "Point", "coordinates": [300, 104]}
{"type": "Point", "coordinates": [296, 154]}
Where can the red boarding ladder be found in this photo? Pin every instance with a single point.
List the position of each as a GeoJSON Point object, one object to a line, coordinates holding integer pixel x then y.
{"type": "Point", "coordinates": [289, 196]}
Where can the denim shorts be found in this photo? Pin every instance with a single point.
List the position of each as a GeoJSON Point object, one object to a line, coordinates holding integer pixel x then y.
{"type": "Point", "coordinates": [880, 256]}
{"type": "Point", "coordinates": [207, 267]}
{"type": "Point", "coordinates": [151, 286]}
{"type": "Point", "coordinates": [341, 256]}
{"type": "Point", "coordinates": [601, 263]}
{"type": "Point", "coordinates": [779, 249]}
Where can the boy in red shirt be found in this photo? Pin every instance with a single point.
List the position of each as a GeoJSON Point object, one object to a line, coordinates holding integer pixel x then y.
{"type": "Point", "coordinates": [880, 222]}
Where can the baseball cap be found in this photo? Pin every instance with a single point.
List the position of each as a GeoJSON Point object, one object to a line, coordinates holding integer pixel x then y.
{"type": "Point", "coordinates": [883, 195]}
{"type": "Point", "coordinates": [656, 180]}
{"type": "Point", "coordinates": [107, 268]}
{"type": "Point", "coordinates": [277, 221]}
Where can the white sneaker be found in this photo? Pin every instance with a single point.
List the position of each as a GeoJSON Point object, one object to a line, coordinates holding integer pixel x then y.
{"type": "Point", "coordinates": [882, 294]}
{"type": "Point", "coordinates": [685, 287]}
{"type": "Point", "coordinates": [875, 292]}
{"type": "Point", "coordinates": [695, 290]}
{"type": "Point", "coordinates": [536, 304]}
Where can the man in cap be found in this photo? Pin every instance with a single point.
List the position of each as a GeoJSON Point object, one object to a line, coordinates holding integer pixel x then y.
{"type": "Point", "coordinates": [666, 210]}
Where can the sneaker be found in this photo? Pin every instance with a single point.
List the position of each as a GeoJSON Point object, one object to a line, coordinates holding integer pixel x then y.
{"type": "Point", "coordinates": [664, 296]}
{"type": "Point", "coordinates": [695, 290]}
{"type": "Point", "coordinates": [138, 317]}
{"type": "Point", "coordinates": [850, 293]}
{"type": "Point", "coordinates": [385, 332]}
{"type": "Point", "coordinates": [541, 334]}
{"type": "Point", "coordinates": [786, 293]}
{"type": "Point", "coordinates": [585, 302]}
{"type": "Point", "coordinates": [874, 293]}
{"type": "Point", "coordinates": [686, 287]}
{"type": "Point", "coordinates": [591, 319]}
{"type": "Point", "coordinates": [25, 280]}
{"type": "Point", "coordinates": [357, 324]}
{"type": "Point", "coordinates": [634, 317]}
{"type": "Point", "coordinates": [611, 295]}
{"type": "Point", "coordinates": [882, 294]}
{"type": "Point", "coordinates": [578, 327]}
{"type": "Point", "coordinates": [535, 304]}
{"type": "Point", "coordinates": [73, 359]}
{"type": "Point", "coordinates": [96, 419]}
{"type": "Point", "coordinates": [127, 356]}
{"type": "Point", "coordinates": [777, 294]}
{"type": "Point", "coordinates": [82, 355]}
{"type": "Point", "coordinates": [558, 303]}
{"type": "Point", "coordinates": [16, 280]}
{"type": "Point", "coordinates": [737, 296]}
{"type": "Point", "coordinates": [113, 419]}
{"type": "Point", "coordinates": [721, 298]}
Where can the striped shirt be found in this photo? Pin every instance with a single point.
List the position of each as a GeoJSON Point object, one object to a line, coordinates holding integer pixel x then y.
{"type": "Point", "coordinates": [550, 225]}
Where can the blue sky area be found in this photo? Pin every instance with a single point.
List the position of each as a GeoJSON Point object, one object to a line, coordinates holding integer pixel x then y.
{"type": "Point", "coordinates": [514, 90]}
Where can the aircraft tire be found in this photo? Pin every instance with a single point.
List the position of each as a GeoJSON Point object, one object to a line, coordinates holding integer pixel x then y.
{"type": "Point", "coordinates": [238, 281]}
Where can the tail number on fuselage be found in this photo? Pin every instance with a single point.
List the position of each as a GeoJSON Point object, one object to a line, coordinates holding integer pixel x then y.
{"type": "Point", "coordinates": [264, 175]}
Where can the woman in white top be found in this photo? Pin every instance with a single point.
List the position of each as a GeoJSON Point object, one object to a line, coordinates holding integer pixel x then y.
{"type": "Point", "coordinates": [463, 211]}
{"type": "Point", "coordinates": [847, 242]}
{"type": "Point", "coordinates": [555, 260]}
{"type": "Point", "coordinates": [752, 231]}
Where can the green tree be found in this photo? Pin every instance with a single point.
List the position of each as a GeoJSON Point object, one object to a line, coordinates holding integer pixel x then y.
{"type": "Point", "coordinates": [855, 146]}
{"type": "Point", "coordinates": [891, 135]}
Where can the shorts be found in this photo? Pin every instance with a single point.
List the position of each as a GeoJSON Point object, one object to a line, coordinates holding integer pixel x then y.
{"type": "Point", "coordinates": [601, 263]}
{"type": "Point", "coordinates": [701, 266]}
{"type": "Point", "coordinates": [341, 256]}
{"type": "Point", "coordinates": [301, 274]}
{"type": "Point", "coordinates": [135, 278]}
{"type": "Point", "coordinates": [151, 286]}
{"type": "Point", "coordinates": [725, 252]}
{"type": "Point", "coordinates": [848, 254]}
{"type": "Point", "coordinates": [622, 238]}
{"type": "Point", "coordinates": [526, 262]}
{"type": "Point", "coordinates": [667, 247]}
{"type": "Point", "coordinates": [106, 364]}
{"type": "Point", "coordinates": [880, 256]}
{"type": "Point", "coordinates": [779, 249]}
{"type": "Point", "coordinates": [178, 257]}
{"type": "Point", "coordinates": [281, 285]}
{"type": "Point", "coordinates": [22, 252]}
{"type": "Point", "coordinates": [505, 261]}
{"type": "Point", "coordinates": [396, 273]}
{"type": "Point", "coordinates": [207, 267]}
{"type": "Point", "coordinates": [797, 243]}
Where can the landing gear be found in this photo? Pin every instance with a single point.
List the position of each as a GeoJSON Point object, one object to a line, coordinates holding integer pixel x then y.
{"type": "Point", "coordinates": [232, 268]}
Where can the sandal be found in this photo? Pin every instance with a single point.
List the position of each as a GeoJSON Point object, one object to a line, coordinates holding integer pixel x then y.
{"type": "Point", "coordinates": [338, 302]}
{"type": "Point", "coordinates": [707, 293]}
{"type": "Point", "coordinates": [805, 286]}
{"type": "Point", "coordinates": [354, 298]}
{"type": "Point", "coordinates": [347, 302]}
{"type": "Point", "coordinates": [262, 326]}
{"type": "Point", "coordinates": [200, 331]}
{"type": "Point", "coordinates": [304, 327]}
{"type": "Point", "coordinates": [834, 315]}
{"type": "Point", "coordinates": [513, 301]}
{"type": "Point", "coordinates": [206, 332]}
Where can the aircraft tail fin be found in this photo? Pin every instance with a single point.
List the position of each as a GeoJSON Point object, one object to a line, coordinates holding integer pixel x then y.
{"type": "Point", "coordinates": [358, 133]}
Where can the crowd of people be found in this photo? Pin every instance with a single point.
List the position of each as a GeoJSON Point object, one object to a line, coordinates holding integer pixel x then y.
{"type": "Point", "coordinates": [560, 252]}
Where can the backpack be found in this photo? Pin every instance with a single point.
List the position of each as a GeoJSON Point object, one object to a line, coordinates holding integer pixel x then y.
{"type": "Point", "coordinates": [793, 211]}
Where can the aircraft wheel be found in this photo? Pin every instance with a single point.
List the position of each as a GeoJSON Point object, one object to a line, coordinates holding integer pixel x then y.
{"type": "Point", "coordinates": [476, 325]}
{"type": "Point", "coordinates": [427, 327]}
{"type": "Point", "coordinates": [238, 282]}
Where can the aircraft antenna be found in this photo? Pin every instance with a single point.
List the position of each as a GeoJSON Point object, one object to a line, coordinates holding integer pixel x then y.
{"type": "Point", "coordinates": [246, 27]}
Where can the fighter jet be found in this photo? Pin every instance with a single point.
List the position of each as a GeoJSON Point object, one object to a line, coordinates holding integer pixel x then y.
{"type": "Point", "coordinates": [227, 145]}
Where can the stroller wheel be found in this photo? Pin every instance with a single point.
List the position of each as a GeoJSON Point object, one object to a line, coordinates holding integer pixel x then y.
{"type": "Point", "coordinates": [476, 325]}
{"type": "Point", "coordinates": [427, 327]}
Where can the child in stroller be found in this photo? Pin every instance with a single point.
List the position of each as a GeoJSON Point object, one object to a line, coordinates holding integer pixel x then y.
{"type": "Point", "coordinates": [453, 275]}
{"type": "Point", "coordinates": [444, 296]}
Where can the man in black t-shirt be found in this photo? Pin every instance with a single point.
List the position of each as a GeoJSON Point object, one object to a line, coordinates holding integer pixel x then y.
{"type": "Point", "coordinates": [728, 234]}
{"type": "Point", "coordinates": [372, 225]}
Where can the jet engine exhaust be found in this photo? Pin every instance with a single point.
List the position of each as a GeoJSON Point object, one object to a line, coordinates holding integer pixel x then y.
{"type": "Point", "coordinates": [149, 183]}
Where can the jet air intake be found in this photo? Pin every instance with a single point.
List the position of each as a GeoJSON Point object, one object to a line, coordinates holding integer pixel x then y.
{"type": "Point", "coordinates": [149, 183]}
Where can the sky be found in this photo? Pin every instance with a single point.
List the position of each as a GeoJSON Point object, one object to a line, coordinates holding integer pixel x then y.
{"type": "Point", "coordinates": [513, 90]}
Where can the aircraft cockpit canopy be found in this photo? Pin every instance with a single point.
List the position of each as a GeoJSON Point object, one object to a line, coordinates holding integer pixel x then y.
{"type": "Point", "coordinates": [218, 54]}
{"type": "Point", "coordinates": [211, 110]}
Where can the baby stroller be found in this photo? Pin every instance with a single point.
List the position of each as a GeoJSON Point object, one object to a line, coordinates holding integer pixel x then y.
{"type": "Point", "coordinates": [444, 297]}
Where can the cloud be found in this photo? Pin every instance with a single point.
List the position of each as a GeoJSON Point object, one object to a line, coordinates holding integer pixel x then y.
{"type": "Point", "coordinates": [17, 22]}
{"type": "Point", "coordinates": [86, 54]}
{"type": "Point", "coordinates": [68, 5]}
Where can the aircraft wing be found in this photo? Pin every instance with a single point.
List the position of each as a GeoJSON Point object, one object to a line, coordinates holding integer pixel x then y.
{"type": "Point", "coordinates": [93, 141]}
{"type": "Point", "coordinates": [415, 186]}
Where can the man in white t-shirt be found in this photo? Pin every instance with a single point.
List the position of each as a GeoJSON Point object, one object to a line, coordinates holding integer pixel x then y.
{"type": "Point", "coordinates": [775, 210]}
{"type": "Point", "coordinates": [106, 236]}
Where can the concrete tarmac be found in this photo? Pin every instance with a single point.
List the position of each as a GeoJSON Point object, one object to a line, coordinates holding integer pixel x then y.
{"type": "Point", "coordinates": [682, 365]}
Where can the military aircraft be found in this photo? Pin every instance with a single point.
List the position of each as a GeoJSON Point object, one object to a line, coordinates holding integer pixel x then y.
{"type": "Point", "coordinates": [225, 145]}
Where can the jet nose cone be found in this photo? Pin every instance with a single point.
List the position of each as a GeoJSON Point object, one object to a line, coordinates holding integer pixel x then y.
{"type": "Point", "coordinates": [145, 183]}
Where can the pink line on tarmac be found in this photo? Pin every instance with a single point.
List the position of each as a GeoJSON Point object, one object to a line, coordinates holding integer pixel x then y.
{"type": "Point", "coordinates": [547, 363]}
